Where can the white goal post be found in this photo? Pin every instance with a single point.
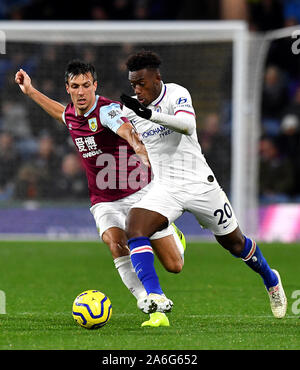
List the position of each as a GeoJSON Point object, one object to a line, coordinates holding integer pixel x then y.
{"type": "Point", "coordinates": [243, 192]}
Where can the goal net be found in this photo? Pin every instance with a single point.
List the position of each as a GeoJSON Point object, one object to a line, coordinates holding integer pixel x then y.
{"type": "Point", "coordinates": [43, 191]}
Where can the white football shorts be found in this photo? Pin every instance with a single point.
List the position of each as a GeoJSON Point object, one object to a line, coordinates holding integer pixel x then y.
{"type": "Point", "coordinates": [113, 214]}
{"type": "Point", "coordinates": [212, 209]}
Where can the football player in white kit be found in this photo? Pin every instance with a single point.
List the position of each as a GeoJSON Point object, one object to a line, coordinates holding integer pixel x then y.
{"type": "Point", "coordinates": [164, 117]}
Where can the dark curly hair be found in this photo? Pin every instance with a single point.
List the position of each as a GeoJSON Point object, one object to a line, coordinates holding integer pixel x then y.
{"type": "Point", "coordinates": [143, 59]}
{"type": "Point", "coordinates": [78, 67]}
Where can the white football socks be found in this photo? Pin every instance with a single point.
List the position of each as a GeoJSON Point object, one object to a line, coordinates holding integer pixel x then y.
{"type": "Point", "coordinates": [128, 275]}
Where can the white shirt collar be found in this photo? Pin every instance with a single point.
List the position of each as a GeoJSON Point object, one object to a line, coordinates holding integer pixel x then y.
{"type": "Point", "coordinates": [161, 95]}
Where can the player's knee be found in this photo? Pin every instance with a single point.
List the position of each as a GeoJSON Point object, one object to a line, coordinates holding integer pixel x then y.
{"type": "Point", "coordinates": [135, 232]}
{"type": "Point", "coordinates": [234, 242]}
{"type": "Point", "coordinates": [116, 240]}
{"type": "Point", "coordinates": [174, 267]}
{"type": "Point", "coordinates": [118, 249]}
{"type": "Point", "coordinates": [236, 249]}
{"type": "Point", "coordinates": [238, 245]}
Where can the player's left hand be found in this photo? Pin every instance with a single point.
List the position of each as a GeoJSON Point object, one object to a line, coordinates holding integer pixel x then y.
{"type": "Point", "coordinates": [136, 106]}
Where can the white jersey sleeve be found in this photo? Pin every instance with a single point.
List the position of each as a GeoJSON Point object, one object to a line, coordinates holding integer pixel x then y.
{"type": "Point", "coordinates": [181, 115]}
{"type": "Point", "coordinates": [181, 102]}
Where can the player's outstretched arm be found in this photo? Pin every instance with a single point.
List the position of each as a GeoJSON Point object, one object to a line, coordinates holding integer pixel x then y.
{"type": "Point", "coordinates": [182, 123]}
{"type": "Point", "coordinates": [127, 132]}
{"type": "Point", "coordinates": [52, 107]}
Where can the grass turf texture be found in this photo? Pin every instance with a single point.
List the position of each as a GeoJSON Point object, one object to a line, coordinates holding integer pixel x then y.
{"type": "Point", "coordinates": [219, 303]}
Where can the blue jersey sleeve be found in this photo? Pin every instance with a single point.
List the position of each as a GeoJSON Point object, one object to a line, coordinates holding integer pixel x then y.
{"type": "Point", "coordinates": [111, 116]}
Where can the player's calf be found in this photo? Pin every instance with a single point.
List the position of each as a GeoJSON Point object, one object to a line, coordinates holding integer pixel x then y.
{"type": "Point", "coordinates": [254, 258]}
{"type": "Point", "coordinates": [251, 254]}
{"type": "Point", "coordinates": [142, 259]}
{"type": "Point", "coordinates": [168, 253]}
{"type": "Point", "coordinates": [247, 249]}
{"type": "Point", "coordinates": [116, 240]}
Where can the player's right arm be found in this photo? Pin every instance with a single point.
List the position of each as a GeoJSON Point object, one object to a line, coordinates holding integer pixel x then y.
{"type": "Point", "coordinates": [52, 107]}
{"type": "Point", "coordinates": [128, 133]}
{"type": "Point", "coordinates": [179, 120]}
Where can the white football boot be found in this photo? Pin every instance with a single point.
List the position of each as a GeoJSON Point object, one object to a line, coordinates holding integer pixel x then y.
{"type": "Point", "coordinates": [278, 299]}
{"type": "Point", "coordinates": [155, 303]}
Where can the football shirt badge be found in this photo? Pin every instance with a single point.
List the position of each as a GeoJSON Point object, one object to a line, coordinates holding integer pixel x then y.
{"type": "Point", "coordinates": [93, 124]}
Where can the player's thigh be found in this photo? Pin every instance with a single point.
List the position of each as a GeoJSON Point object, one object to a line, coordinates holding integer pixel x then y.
{"type": "Point", "coordinates": [110, 222]}
{"type": "Point", "coordinates": [143, 222]}
{"type": "Point", "coordinates": [233, 242]}
{"type": "Point", "coordinates": [160, 210]}
{"type": "Point", "coordinates": [109, 215]}
{"type": "Point", "coordinates": [113, 214]}
{"type": "Point", "coordinates": [214, 212]}
{"type": "Point", "coordinates": [106, 220]}
{"type": "Point", "coordinates": [167, 252]}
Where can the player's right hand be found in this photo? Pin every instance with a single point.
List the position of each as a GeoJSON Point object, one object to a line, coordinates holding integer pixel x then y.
{"type": "Point", "coordinates": [23, 80]}
{"type": "Point", "coordinates": [136, 106]}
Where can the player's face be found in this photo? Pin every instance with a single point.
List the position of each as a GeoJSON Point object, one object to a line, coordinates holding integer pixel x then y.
{"type": "Point", "coordinates": [82, 90]}
{"type": "Point", "coordinates": [146, 84]}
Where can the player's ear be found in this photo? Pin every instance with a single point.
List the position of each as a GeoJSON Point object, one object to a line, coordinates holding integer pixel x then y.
{"type": "Point", "coordinates": [95, 85]}
{"type": "Point", "coordinates": [158, 75]}
{"type": "Point", "coordinates": [157, 79]}
{"type": "Point", "coordinates": [67, 88]}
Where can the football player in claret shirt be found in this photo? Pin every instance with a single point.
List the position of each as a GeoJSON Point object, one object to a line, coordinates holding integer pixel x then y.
{"type": "Point", "coordinates": [108, 146]}
{"type": "Point", "coordinates": [163, 114]}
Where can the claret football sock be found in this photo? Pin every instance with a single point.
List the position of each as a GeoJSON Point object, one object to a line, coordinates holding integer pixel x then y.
{"type": "Point", "coordinates": [253, 257]}
{"type": "Point", "coordinates": [142, 259]}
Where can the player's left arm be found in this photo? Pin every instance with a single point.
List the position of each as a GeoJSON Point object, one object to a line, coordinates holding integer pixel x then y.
{"type": "Point", "coordinates": [182, 119]}
{"type": "Point", "coordinates": [112, 117]}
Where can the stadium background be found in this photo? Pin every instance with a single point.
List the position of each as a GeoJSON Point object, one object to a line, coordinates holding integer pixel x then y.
{"type": "Point", "coordinates": [43, 189]}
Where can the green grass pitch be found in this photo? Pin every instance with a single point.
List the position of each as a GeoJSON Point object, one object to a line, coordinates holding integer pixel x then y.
{"type": "Point", "coordinates": [219, 303]}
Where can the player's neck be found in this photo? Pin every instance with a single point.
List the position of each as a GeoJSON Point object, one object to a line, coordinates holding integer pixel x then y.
{"type": "Point", "coordinates": [82, 112]}
{"type": "Point", "coordinates": [159, 92]}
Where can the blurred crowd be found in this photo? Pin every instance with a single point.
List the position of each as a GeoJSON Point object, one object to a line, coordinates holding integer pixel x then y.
{"type": "Point", "coordinates": [44, 175]}
{"type": "Point", "coordinates": [37, 158]}
{"type": "Point", "coordinates": [108, 9]}
{"type": "Point", "coordinates": [279, 147]}
{"type": "Point", "coordinates": [261, 14]}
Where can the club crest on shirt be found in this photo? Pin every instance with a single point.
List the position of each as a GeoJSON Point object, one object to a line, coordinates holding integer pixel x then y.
{"type": "Point", "coordinates": [93, 124]}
